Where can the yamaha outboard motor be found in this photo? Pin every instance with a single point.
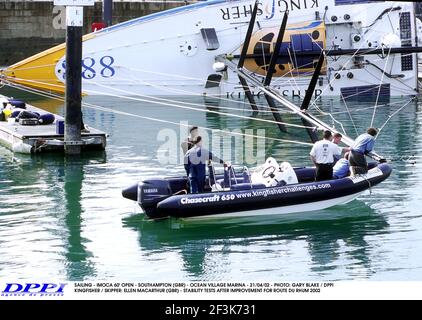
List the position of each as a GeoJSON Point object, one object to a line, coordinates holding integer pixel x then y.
{"type": "Point", "coordinates": [131, 192]}
{"type": "Point", "coordinates": [151, 192]}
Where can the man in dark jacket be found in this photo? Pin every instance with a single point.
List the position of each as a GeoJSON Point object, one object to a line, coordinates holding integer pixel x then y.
{"type": "Point", "coordinates": [195, 161]}
{"type": "Point", "coordinates": [188, 144]}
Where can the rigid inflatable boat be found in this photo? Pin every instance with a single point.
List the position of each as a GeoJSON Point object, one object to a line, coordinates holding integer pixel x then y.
{"type": "Point", "coordinates": [271, 189]}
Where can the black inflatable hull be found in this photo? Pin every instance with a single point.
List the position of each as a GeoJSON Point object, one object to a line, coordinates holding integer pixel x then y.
{"type": "Point", "coordinates": [301, 197]}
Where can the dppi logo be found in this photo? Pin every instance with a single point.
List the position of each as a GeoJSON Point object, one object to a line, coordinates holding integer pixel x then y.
{"type": "Point", "coordinates": [33, 289]}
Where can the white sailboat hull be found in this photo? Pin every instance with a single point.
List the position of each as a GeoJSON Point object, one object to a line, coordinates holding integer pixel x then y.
{"type": "Point", "coordinates": [165, 54]}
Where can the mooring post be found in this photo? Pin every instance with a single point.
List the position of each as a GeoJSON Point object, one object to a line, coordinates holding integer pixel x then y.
{"type": "Point", "coordinates": [72, 134]}
{"type": "Point", "coordinates": [108, 12]}
{"type": "Point", "coordinates": [73, 92]}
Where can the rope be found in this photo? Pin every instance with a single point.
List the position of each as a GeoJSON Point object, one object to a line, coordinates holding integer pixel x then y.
{"type": "Point", "coordinates": [34, 67]}
{"type": "Point", "coordinates": [369, 184]}
{"type": "Point", "coordinates": [97, 107]}
{"type": "Point", "coordinates": [397, 79]}
{"type": "Point", "coordinates": [379, 89]}
{"type": "Point", "coordinates": [199, 95]}
{"type": "Point", "coordinates": [170, 103]}
{"type": "Point", "coordinates": [263, 53]}
{"type": "Point", "coordinates": [350, 115]}
{"type": "Point", "coordinates": [392, 115]}
{"type": "Point", "coordinates": [291, 73]}
{"type": "Point", "coordinates": [345, 64]}
{"type": "Point", "coordinates": [366, 108]}
{"type": "Point", "coordinates": [276, 81]}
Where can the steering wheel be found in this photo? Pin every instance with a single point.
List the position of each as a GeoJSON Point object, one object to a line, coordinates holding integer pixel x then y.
{"type": "Point", "coordinates": [268, 172]}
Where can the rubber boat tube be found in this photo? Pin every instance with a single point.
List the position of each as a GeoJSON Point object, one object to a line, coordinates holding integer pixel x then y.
{"type": "Point", "coordinates": [161, 198]}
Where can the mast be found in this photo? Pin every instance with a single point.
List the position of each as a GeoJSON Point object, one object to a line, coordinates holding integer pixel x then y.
{"type": "Point", "coordinates": [307, 99]}
{"type": "Point", "coordinates": [270, 72]}
{"type": "Point", "coordinates": [274, 94]}
{"type": "Point", "coordinates": [342, 52]}
{"type": "Point", "coordinates": [242, 57]}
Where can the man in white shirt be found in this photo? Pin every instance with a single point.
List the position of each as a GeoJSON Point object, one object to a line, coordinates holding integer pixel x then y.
{"type": "Point", "coordinates": [322, 155]}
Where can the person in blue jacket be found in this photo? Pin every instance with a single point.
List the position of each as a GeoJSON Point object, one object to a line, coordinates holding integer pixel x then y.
{"type": "Point", "coordinates": [195, 161]}
{"type": "Point", "coordinates": [337, 140]}
{"type": "Point", "coordinates": [360, 148]}
{"type": "Point", "coordinates": [342, 168]}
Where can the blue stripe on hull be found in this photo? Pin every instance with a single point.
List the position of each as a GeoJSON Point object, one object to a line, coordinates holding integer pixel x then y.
{"type": "Point", "coordinates": [366, 91]}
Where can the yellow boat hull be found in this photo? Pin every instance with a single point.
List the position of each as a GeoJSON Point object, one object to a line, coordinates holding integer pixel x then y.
{"type": "Point", "coordinates": [38, 71]}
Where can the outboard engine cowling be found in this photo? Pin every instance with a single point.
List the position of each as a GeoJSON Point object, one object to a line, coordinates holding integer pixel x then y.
{"type": "Point", "coordinates": [131, 192]}
{"type": "Point", "coordinates": [150, 192]}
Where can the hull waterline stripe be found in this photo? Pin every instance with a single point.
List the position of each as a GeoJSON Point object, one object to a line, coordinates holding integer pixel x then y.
{"type": "Point", "coordinates": [312, 206]}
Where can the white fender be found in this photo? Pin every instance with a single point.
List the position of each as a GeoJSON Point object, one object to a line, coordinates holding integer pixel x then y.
{"type": "Point", "coordinates": [21, 147]}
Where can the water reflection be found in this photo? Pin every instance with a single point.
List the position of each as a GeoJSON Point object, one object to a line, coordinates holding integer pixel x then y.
{"type": "Point", "coordinates": [63, 219]}
{"type": "Point", "coordinates": [323, 232]}
{"type": "Point", "coordinates": [70, 176]}
{"type": "Point", "coordinates": [346, 238]}
{"type": "Point", "coordinates": [78, 263]}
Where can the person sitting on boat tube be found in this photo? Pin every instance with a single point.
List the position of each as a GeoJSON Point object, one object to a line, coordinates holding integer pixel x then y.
{"type": "Point", "coordinates": [361, 147]}
{"type": "Point", "coordinates": [322, 155]}
{"type": "Point", "coordinates": [187, 144]}
{"type": "Point", "coordinates": [195, 161]}
{"type": "Point", "coordinates": [342, 168]}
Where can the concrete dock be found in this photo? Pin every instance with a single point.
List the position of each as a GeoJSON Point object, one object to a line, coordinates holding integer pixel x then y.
{"type": "Point", "coordinates": [44, 138]}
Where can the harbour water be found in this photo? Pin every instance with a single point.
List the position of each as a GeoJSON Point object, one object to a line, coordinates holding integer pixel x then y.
{"type": "Point", "coordinates": [65, 219]}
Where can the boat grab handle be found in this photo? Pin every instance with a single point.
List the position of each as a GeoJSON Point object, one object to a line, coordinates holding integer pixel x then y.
{"type": "Point", "coordinates": [180, 192]}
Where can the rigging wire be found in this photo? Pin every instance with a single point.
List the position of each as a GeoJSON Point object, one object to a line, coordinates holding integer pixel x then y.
{"type": "Point", "coordinates": [105, 109]}
{"type": "Point", "coordinates": [168, 102]}
{"type": "Point", "coordinates": [348, 97]}
{"type": "Point", "coordinates": [33, 67]}
{"type": "Point", "coordinates": [291, 73]}
{"type": "Point", "coordinates": [171, 103]}
{"type": "Point", "coordinates": [324, 113]}
{"type": "Point", "coordinates": [181, 90]}
{"type": "Point", "coordinates": [192, 93]}
{"type": "Point", "coordinates": [392, 115]}
{"type": "Point", "coordinates": [395, 86]}
{"type": "Point", "coordinates": [60, 98]}
{"type": "Point", "coordinates": [366, 108]}
{"type": "Point", "coordinates": [379, 88]}
{"type": "Point", "coordinates": [344, 65]}
{"type": "Point", "coordinates": [97, 107]}
{"type": "Point", "coordinates": [350, 115]}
